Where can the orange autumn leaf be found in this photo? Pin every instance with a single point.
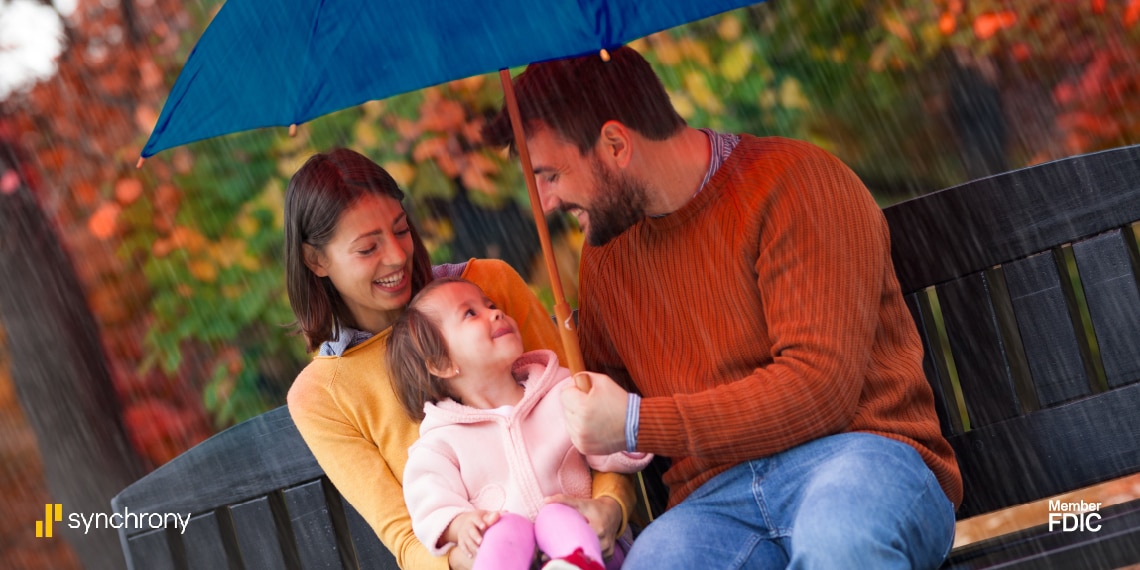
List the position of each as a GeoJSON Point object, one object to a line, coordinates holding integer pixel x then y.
{"type": "Point", "coordinates": [188, 238]}
{"type": "Point", "coordinates": [474, 179]}
{"type": "Point", "coordinates": [428, 148]}
{"type": "Point", "coordinates": [408, 129]}
{"type": "Point", "coordinates": [447, 164]}
{"type": "Point", "coordinates": [103, 222]}
{"type": "Point", "coordinates": [162, 247]}
{"type": "Point", "coordinates": [204, 271]}
{"type": "Point", "coordinates": [1132, 14]}
{"type": "Point", "coordinates": [947, 24]}
{"type": "Point", "coordinates": [85, 193]}
{"type": "Point", "coordinates": [482, 162]}
{"type": "Point", "coordinates": [150, 74]}
{"type": "Point", "coordinates": [127, 190]}
{"type": "Point", "coordinates": [988, 24]}
{"type": "Point", "coordinates": [441, 115]}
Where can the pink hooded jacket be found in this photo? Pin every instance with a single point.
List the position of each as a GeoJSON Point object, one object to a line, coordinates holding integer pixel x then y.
{"type": "Point", "coordinates": [468, 459]}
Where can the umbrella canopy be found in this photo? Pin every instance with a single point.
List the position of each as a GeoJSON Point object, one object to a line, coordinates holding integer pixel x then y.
{"type": "Point", "coordinates": [275, 64]}
{"type": "Point", "coordinates": [259, 65]}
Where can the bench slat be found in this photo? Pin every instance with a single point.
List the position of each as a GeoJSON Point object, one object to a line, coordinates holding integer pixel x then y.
{"type": "Point", "coordinates": [1109, 279]}
{"type": "Point", "coordinates": [976, 345]}
{"type": "Point", "coordinates": [1047, 332]}
{"type": "Point", "coordinates": [259, 536]}
{"type": "Point", "coordinates": [203, 545]}
{"type": "Point", "coordinates": [1051, 451]}
{"type": "Point", "coordinates": [1116, 544]}
{"type": "Point", "coordinates": [955, 232]}
{"type": "Point", "coordinates": [313, 527]}
{"type": "Point", "coordinates": [150, 551]}
{"type": "Point", "coordinates": [249, 460]}
{"type": "Point", "coordinates": [934, 364]}
{"type": "Point", "coordinates": [370, 552]}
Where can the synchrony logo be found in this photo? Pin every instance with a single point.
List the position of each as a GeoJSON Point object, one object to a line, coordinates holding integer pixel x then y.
{"type": "Point", "coordinates": [53, 513]}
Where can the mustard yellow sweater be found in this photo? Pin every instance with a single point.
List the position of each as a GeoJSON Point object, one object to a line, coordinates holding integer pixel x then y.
{"type": "Point", "coordinates": [348, 415]}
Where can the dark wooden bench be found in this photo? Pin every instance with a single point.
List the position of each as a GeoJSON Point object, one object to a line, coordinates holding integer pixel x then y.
{"type": "Point", "coordinates": [259, 500]}
{"type": "Point", "coordinates": [1040, 406]}
{"type": "Point", "coordinates": [997, 273]}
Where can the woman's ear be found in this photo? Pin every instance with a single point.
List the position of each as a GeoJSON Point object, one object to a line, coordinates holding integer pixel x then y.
{"type": "Point", "coordinates": [314, 260]}
{"type": "Point", "coordinates": [447, 371]}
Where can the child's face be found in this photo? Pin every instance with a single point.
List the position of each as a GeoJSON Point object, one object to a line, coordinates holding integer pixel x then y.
{"type": "Point", "coordinates": [481, 339]}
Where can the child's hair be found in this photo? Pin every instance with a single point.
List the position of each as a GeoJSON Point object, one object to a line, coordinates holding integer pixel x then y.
{"type": "Point", "coordinates": [415, 343]}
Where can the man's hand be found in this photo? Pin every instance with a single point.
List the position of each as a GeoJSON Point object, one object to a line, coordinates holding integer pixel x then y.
{"type": "Point", "coordinates": [466, 531]}
{"type": "Point", "coordinates": [603, 514]}
{"type": "Point", "coordinates": [595, 420]}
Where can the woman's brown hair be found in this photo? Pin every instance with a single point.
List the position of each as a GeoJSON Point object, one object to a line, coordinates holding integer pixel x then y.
{"type": "Point", "coordinates": [415, 346]}
{"type": "Point", "coordinates": [319, 192]}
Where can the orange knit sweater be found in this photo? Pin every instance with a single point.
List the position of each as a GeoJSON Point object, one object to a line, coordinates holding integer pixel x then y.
{"type": "Point", "coordinates": [763, 314]}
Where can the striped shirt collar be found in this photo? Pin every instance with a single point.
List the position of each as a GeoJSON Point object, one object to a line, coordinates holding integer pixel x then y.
{"type": "Point", "coordinates": [721, 146]}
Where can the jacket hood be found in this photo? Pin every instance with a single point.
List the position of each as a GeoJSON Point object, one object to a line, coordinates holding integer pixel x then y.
{"type": "Point", "coordinates": [538, 371]}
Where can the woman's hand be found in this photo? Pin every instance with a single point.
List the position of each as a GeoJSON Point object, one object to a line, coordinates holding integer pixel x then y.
{"type": "Point", "coordinates": [459, 560]}
{"type": "Point", "coordinates": [603, 514]}
{"type": "Point", "coordinates": [466, 531]}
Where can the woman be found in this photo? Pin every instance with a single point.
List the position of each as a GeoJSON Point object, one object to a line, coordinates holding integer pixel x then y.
{"type": "Point", "coordinates": [353, 262]}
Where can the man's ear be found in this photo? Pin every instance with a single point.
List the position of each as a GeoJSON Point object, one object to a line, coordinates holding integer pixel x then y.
{"type": "Point", "coordinates": [314, 260]}
{"type": "Point", "coordinates": [616, 144]}
{"type": "Point", "coordinates": [447, 371]}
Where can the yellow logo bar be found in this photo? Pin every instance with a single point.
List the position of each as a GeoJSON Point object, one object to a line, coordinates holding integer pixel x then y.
{"type": "Point", "coordinates": [43, 528]}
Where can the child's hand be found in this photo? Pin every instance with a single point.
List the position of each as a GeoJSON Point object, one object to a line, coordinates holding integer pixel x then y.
{"type": "Point", "coordinates": [466, 530]}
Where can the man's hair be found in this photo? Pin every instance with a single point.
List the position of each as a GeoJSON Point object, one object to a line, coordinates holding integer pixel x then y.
{"type": "Point", "coordinates": [576, 96]}
{"type": "Point", "coordinates": [415, 342]}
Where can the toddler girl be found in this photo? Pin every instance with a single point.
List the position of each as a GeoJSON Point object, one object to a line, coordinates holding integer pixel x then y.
{"type": "Point", "coordinates": [492, 441]}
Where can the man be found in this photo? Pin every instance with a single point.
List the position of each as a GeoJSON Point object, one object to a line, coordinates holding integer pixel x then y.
{"type": "Point", "coordinates": [743, 289]}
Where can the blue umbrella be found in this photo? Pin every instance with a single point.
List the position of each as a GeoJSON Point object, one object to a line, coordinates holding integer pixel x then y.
{"type": "Point", "coordinates": [262, 64]}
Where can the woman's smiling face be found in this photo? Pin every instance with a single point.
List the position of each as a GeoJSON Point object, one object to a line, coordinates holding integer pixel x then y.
{"type": "Point", "coordinates": [369, 261]}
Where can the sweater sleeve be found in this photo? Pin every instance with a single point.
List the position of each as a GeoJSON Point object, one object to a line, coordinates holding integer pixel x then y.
{"type": "Point", "coordinates": [434, 493]}
{"type": "Point", "coordinates": [822, 253]}
{"type": "Point", "coordinates": [506, 288]}
{"type": "Point", "coordinates": [358, 470]}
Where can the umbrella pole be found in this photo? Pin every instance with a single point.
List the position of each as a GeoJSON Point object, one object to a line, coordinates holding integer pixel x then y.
{"type": "Point", "coordinates": [566, 325]}
{"type": "Point", "coordinates": [567, 328]}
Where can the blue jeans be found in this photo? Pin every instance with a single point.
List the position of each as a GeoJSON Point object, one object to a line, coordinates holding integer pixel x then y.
{"type": "Point", "coordinates": [852, 500]}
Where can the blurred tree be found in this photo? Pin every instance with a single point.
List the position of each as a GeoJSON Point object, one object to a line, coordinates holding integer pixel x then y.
{"type": "Point", "coordinates": [57, 365]}
{"type": "Point", "coordinates": [75, 130]}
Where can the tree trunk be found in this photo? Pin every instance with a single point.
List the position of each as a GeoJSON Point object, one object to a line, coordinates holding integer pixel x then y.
{"type": "Point", "coordinates": [59, 371]}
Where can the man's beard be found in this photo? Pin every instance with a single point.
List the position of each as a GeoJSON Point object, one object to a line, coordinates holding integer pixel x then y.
{"type": "Point", "coordinates": [620, 203]}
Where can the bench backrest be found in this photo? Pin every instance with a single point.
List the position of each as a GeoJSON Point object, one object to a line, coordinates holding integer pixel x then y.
{"type": "Point", "coordinates": [1035, 278]}
{"type": "Point", "coordinates": [259, 500]}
